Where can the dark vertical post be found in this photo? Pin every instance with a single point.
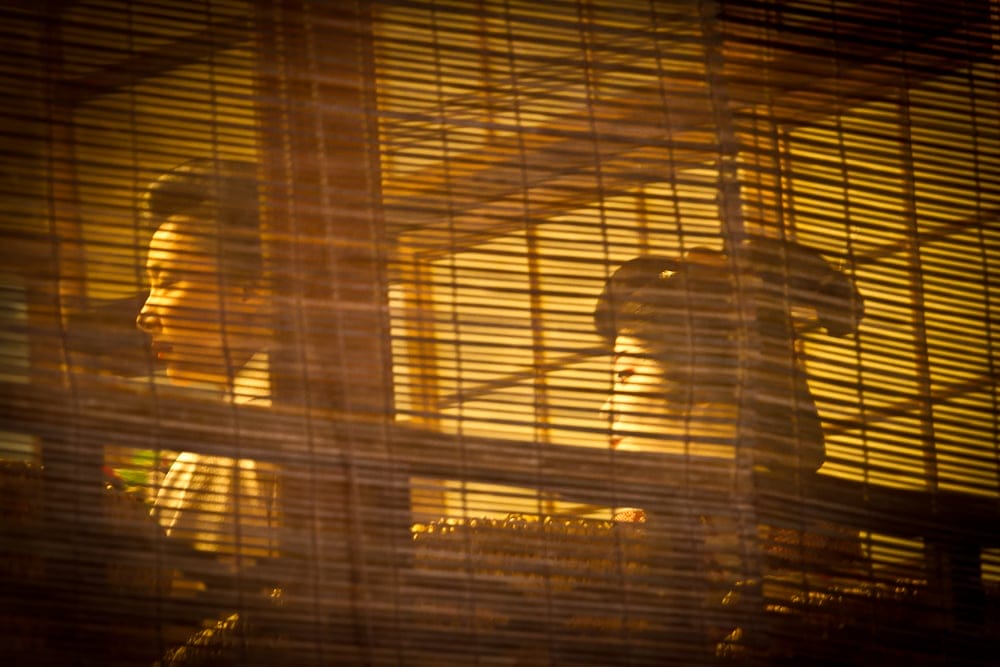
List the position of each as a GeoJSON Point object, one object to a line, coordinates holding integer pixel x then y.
{"type": "Point", "coordinates": [73, 506]}
{"type": "Point", "coordinates": [346, 519]}
{"type": "Point", "coordinates": [750, 354]}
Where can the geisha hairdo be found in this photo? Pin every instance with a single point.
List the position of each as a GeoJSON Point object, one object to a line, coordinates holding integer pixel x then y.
{"type": "Point", "coordinates": [689, 315]}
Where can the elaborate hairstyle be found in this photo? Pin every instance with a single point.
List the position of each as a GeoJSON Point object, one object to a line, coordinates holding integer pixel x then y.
{"type": "Point", "coordinates": [689, 314]}
{"type": "Point", "coordinates": [224, 194]}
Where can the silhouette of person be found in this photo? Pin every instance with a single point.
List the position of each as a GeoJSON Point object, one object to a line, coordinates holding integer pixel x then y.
{"type": "Point", "coordinates": [207, 316]}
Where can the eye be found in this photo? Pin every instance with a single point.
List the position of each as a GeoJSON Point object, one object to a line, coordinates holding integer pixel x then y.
{"type": "Point", "coordinates": [167, 281]}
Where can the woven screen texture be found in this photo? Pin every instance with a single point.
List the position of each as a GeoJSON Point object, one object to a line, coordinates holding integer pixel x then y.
{"type": "Point", "coordinates": [433, 332]}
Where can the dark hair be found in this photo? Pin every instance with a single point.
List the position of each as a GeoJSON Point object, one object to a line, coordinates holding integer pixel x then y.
{"type": "Point", "coordinates": [684, 314]}
{"type": "Point", "coordinates": [225, 193]}
{"type": "Point", "coordinates": [689, 315]}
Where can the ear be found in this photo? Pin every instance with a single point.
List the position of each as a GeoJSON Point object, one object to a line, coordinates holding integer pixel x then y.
{"type": "Point", "coordinates": [253, 299]}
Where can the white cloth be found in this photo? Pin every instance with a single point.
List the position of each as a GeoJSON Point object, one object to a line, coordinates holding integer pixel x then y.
{"type": "Point", "coordinates": [220, 504]}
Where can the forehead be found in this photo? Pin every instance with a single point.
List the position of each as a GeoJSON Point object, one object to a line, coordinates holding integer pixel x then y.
{"type": "Point", "coordinates": [626, 345]}
{"type": "Point", "coordinates": [175, 244]}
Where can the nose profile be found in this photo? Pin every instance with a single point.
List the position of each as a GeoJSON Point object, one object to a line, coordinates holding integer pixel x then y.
{"type": "Point", "coordinates": [608, 409]}
{"type": "Point", "coordinates": [146, 320]}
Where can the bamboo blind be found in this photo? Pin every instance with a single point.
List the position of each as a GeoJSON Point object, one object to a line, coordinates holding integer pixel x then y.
{"type": "Point", "coordinates": [444, 188]}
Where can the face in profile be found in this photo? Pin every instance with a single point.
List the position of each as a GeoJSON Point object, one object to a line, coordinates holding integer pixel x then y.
{"type": "Point", "coordinates": [203, 328]}
{"type": "Point", "coordinates": [636, 408]}
{"type": "Point", "coordinates": [647, 413]}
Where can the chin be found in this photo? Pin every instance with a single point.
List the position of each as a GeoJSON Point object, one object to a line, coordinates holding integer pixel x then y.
{"type": "Point", "coordinates": [183, 375]}
{"type": "Point", "coordinates": [657, 443]}
{"type": "Point", "coordinates": [628, 445]}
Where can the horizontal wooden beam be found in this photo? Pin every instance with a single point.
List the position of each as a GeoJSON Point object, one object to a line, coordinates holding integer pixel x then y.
{"type": "Point", "coordinates": [144, 416]}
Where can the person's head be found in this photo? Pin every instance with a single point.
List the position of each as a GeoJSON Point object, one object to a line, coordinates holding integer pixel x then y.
{"type": "Point", "coordinates": [207, 302]}
{"type": "Point", "coordinates": [679, 330]}
{"type": "Point", "coordinates": [672, 326]}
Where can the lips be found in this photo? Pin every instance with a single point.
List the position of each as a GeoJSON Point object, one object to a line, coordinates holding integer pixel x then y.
{"type": "Point", "coordinates": [161, 350]}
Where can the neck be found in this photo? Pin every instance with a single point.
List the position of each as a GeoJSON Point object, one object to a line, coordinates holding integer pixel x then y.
{"type": "Point", "coordinates": [230, 381]}
{"type": "Point", "coordinates": [253, 381]}
{"type": "Point", "coordinates": [719, 420]}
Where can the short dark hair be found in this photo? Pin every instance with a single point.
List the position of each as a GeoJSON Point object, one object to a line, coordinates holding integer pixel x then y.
{"type": "Point", "coordinates": [224, 191]}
